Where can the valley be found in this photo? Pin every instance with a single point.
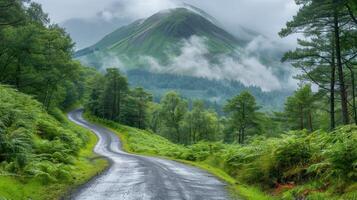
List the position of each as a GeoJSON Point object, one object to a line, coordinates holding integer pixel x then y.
{"type": "Point", "coordinates": [241, 100]}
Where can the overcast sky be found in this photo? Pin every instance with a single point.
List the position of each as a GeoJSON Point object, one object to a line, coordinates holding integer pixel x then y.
{"type": "Point", "coordinates": [265, 16]}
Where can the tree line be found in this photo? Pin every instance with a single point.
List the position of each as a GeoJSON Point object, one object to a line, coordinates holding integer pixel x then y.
{"type": "Point", "coordinates": [325, 99]}
{"type": "Point", "coordinates": [174, 117]}
{"type": "Point", "coordinates": [36, 55]}
{"type": "Point", "coordinates": [36, 58]}
{"type": "Point", "coordinates": [327, 54]}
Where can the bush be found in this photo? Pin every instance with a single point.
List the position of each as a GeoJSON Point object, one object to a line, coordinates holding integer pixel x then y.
{"type": "Point", "coordinates": [34, 143]}
{"type": "Point", "coordinates": [308, 165]}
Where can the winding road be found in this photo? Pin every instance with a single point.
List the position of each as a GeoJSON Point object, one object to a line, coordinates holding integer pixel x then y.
{"type": "Point", "coordinates": [134, 177]}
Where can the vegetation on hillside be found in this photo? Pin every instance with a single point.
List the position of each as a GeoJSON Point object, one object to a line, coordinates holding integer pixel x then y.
{"type": "Point", "coordinates": [40, 151]}
{"type": "Point", "coordinates": [42, 154]}
{"type": "Point", "coordinates": [213, 92]}
{"type": "Point", "coordinates": [295, 165]}
{"type": "Point", "coordinates": [159, 36]}
{"type": "Point", "coordinates": [36, 56]}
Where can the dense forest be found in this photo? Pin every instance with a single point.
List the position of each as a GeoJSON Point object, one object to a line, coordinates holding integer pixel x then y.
{"type": "Point", "coordinates": [42, 154]}
{"type": "Point", "coordinates": [306, 150]}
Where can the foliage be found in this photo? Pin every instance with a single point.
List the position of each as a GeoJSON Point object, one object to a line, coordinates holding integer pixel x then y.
{"type": "Point", "coordinates": [34, 143]}
{"type": "Point", "coordinates": [316, 164]}
{"type": "Point", "coordinates": [328, 53]}
{"type": "Point", "coordinates": [113, 100]}
{"type": "Point", "coordinates": [299, 109]}
{"type": "Point", "coordinates": [242, 111]}
{"type": "Point", "coordinates": [214, 92]}
{"type": "Point", "coordinates": [36, 56]}
{"type": "Point", "coordinates": [40, 151]}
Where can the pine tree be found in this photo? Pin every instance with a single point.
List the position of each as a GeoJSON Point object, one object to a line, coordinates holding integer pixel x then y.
{"type": "Point", "coordinates": [299, 109]}
{"type": "Point", "coordinates": [242, 111]}
{"type": "Point", "coordinates": [330, 17]}
{"type": "Point", "coordinates": [115, 90]}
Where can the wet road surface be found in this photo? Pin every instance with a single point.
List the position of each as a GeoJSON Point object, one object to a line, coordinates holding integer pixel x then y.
{"type": "Point", "coordinates": [134, 177]}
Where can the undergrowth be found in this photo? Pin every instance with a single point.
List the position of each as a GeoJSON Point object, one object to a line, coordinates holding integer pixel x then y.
{"type": "Point", "coordinates": [295, 165]}
{"type": "Point", "coordinates": [42, 155]}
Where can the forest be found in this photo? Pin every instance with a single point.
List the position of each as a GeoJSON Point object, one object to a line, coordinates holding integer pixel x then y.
{"type": "Point", "coordinates": [42, 154]}
{"type": "Point", "coordinates": [306, 150]}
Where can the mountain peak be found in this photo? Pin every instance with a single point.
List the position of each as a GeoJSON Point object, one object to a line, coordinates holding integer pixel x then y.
{"type": "Point", "coordinates": [162, 32]}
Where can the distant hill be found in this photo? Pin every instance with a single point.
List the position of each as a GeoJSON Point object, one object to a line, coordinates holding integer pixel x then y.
{"type": "Point", "coordinates": [187, 42]}
{"type": "Point", "coordinates": [160, 36]}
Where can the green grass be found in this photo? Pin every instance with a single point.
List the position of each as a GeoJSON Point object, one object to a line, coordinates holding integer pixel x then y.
{"type": "Point", "coordinates": [297, 164]}
{"type": "Point", "coordinates": [43, 155]}
{"type": "Point", "coordinates": [84, 168]}
{"type": "Point", "coordinates": [146, 143]}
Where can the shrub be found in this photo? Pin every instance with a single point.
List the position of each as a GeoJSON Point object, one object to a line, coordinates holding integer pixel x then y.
{"type": "Point", "coordinates": [34, 143]}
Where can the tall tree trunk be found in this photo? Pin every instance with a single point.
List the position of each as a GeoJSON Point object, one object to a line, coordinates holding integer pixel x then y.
{"type": "Point", "coordinates": [353, 94]}
{"type": "Point", "coordinates": [190, 133]}
{"type": "Point", "coordinates": [240, 136]}
{"type": "Point", "coordinates": [17, 76]}
{"type": "Point", "coordinates": [332, 87]}
{"type": "Point", "coordinates": [343, 93]}
{"type": "Point", "coordinates": [177, 127]}
{"type": "Point", "coordinates": [119, 105]}
{"type": "Point", "coordinates": [310, 121]}
{"type": "Point", "coordinates": [301, 117]}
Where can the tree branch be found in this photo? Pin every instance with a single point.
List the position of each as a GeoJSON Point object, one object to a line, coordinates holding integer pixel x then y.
{"type": "Point", "coordinates": [351, 13]}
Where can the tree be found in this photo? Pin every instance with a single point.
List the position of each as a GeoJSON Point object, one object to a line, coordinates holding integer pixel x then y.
{"type": "Point", "coordinates": [201, 124]}
{"type": "Point", "coordinates": [115, 90]}
{"type": "Point", "coordinates": [329, 17]}
{"type": "Point", "coordinates": [173, 110]}
{"type": "Point", "coordinates": [316, 58]}
{"type": "Point", "coordinates": [11, 12]}
{"type": "Point", "coordinates": [36, 57]}
{"type": "Point", "coordinates": [351, 6]}
{"type": "Point", "coordinates": [94, 104]}
{"type": "Point", "coordinates": [299, 109]}
{"type": "Point", "coordinates": [135, 109]}
{"type": "Point", "coordinates": [154, 117]}
{"type": "Point", "coordinates": [242, 111]}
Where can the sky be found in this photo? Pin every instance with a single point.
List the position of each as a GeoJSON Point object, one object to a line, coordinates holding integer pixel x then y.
{"type": "Point", "coordinates": [264, 16]}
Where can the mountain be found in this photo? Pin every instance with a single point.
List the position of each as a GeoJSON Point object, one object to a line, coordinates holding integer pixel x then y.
{"type": "Point", "coordinates": [185, 49]}
{"type": "Point", "coordinates": [160, 36]}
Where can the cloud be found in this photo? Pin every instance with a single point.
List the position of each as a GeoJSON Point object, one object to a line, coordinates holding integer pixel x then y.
{"type": "Point", "coordinates": [264, 16]}
{"type": "Point", "coordinates": [193, 61]}
{"type": "Point", "coordinates": [137, 9]}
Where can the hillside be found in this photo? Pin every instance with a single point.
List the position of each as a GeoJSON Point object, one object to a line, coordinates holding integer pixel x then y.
{"type": "Point", "coordinates": [160, 36]}
{"type": "Point", "coordinates": [213, 92]}
{"type": "Point", "coordinates": [186, 43]}
{"type": "Point", "coordinates": [42, 156]}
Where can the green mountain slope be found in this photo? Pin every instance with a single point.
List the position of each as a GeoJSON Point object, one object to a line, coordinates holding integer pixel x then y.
{"type": "Point", "coordinates": [161, 44]}
{"type": "Point", "coordinates": [160, 36]}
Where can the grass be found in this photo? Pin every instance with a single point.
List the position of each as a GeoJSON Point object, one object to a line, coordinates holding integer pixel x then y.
{"type": "Point", "coordinates": [86, 166]}
{"type": "Point", "coordinates": [145, 143]}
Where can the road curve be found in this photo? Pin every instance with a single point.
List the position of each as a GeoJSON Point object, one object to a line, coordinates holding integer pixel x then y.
{"type": "Point", "coordinates": [133, 177]}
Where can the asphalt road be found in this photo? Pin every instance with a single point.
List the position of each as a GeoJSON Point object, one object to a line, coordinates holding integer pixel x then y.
{"type": "Point", "coordinates": [133, 177]}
